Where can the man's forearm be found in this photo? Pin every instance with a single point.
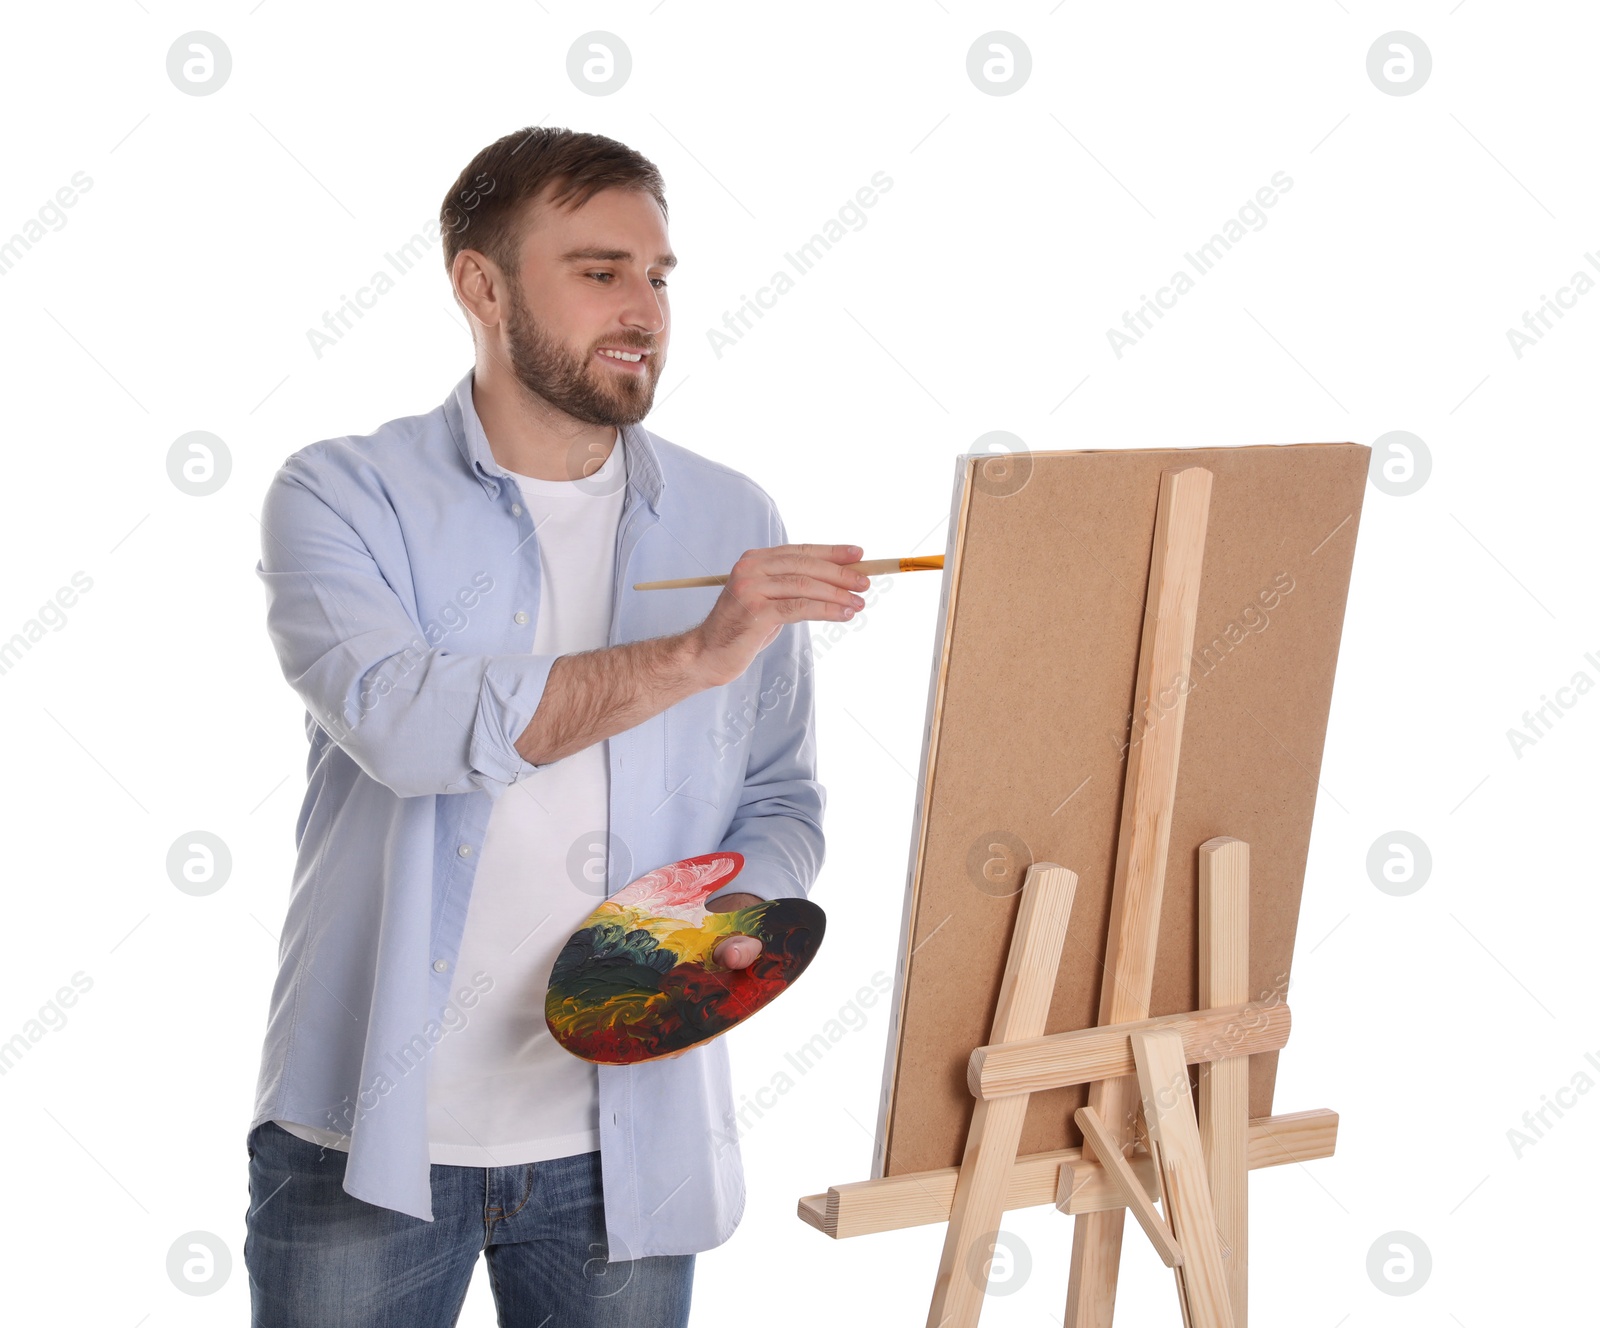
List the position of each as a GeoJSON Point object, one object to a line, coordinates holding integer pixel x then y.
{"type": "Point", "coordinates": [596, 693]}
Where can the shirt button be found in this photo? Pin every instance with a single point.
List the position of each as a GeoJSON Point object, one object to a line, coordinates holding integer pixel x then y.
{"type": "Point", "coordinates": [465, 851]}
{"type": "Point", "coordinates": [516, 509]}
{"type": "Point", "coordinates": [521, 617]}
{"type": "Point", "coordinates": [439, 966]}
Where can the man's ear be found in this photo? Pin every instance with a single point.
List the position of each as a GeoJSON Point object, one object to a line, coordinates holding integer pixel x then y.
{"type": "Point", "coordinates": [480, 290]}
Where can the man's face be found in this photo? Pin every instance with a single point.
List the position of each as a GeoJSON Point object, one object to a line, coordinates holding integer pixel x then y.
{"type": "Point", "coordinates": [597, 279]}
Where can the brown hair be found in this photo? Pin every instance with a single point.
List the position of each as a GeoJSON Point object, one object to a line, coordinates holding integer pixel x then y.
{"type": "Point", "coordinates": [486, 206]}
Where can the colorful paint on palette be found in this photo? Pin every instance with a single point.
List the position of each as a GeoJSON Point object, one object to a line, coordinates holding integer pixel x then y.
{"type": "Point", "coordinates": [637, 981]}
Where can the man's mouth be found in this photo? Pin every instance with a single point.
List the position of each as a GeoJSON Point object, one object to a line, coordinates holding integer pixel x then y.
{"type": "Point", "coordinates": [630, 361]}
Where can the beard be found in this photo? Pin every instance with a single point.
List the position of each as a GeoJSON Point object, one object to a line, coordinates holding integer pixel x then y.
{"type": "Point", "coordinates": [574, 383]}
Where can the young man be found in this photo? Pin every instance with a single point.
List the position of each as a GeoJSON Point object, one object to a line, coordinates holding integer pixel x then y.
{"type": "Point", "coordinates": [502, 733]}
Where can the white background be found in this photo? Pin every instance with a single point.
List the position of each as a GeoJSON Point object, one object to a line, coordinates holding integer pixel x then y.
{"type": "Point", "coordinates": [977, 297]}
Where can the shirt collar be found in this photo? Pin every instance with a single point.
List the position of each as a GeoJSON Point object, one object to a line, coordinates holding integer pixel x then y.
{"type": "Point", "coordinates": [643, 465]}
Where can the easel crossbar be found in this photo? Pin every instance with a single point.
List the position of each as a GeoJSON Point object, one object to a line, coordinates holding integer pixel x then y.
{"type": "Point", "coordinates": [1082, 1056]}
{"type": "Point", "coordinates": [920, 1198]}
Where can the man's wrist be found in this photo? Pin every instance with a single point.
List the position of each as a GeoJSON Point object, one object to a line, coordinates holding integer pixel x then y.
{"type": "Point", "coordinates": [734, 899]}
{"type": "Point", "coordinates": [688, 662]}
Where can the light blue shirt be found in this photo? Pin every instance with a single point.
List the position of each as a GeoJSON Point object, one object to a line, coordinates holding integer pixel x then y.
{"type": "Point", "coordinates": [402, 580]}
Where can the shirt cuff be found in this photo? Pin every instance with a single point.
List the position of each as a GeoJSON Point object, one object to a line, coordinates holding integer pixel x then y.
{"type": "Point", "coordinates": [513, 686]}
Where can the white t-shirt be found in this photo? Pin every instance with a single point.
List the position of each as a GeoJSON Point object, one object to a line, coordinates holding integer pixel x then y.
{"type": "Point", "coordinates": [500, 1089]}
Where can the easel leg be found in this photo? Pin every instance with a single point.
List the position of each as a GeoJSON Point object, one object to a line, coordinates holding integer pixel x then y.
{"type": "Point", "coordinates": [1097, 1243]}
{"type": "Point", "coordinates": [1225, 1084]}
{"type": "Point", "coordinates": [1037, 936]}
{"type": "Point", "coordinates": [1186, 1192]}
{"type": "Point", "coordinates": [1149, 785]}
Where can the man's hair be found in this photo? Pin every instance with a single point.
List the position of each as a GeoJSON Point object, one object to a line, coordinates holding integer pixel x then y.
{"type": "Point", "coordinates": [487, 207]}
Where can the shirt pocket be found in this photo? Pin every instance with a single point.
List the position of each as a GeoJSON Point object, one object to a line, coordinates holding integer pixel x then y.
{"type": "Point", "coordinates": [708, 742]}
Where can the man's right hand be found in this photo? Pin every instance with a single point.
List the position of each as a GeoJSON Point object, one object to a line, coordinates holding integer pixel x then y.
{"type": "Point", "coordinates": [768, 589]}
{"type": "Point", "coordinates": [594, 694]}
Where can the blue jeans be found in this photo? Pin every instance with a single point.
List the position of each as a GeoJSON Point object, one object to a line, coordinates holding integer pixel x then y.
{"type": "Point", "coordinates": [319, 1258]}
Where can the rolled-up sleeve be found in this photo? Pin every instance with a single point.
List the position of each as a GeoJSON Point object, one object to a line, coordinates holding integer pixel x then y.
{"type": "Point", "coordinates": [417, 718]}
{"type": "Point", "coordinates": [777, 825]}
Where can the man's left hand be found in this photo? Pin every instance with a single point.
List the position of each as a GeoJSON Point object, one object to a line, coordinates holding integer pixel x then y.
{"type": "Point", "coordinates": [738, 950]}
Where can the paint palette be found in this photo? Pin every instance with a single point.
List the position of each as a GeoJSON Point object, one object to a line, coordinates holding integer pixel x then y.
{"type": "Point", "coordinates": [637, 981]}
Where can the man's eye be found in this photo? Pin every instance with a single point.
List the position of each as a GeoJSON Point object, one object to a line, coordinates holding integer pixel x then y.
{"type": "Point", "coordinates": [658, 282]}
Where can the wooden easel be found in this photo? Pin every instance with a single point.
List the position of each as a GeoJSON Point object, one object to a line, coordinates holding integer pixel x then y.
{"type": "Point", "coordinates": [1144, 1140]}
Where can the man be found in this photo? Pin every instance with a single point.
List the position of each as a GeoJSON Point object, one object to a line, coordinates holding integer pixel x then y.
{"type": "Point", "coordinates": [502, 733]}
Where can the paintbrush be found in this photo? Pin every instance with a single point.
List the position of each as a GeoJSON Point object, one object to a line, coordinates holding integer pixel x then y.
{"type": "Point", "coordinates": [871, 567]}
